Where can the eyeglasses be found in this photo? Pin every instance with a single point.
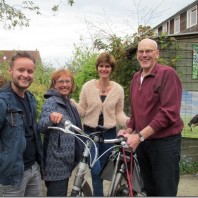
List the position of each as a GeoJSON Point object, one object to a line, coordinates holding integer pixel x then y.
{"type": "Point", "coordinates": [61, 82]}
{"type": "Point", "coordinates": [147, 52]}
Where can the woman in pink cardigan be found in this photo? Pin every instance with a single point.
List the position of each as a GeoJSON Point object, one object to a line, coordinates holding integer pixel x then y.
{"type": "Point", "coordinates": [101, 103]}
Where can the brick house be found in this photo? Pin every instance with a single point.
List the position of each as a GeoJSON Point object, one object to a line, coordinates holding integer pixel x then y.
{"type": "Point", "coordinates": [6, 55]}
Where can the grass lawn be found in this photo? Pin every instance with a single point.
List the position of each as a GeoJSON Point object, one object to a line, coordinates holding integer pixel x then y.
{"type": "Point", "coordinates": [186, 131]}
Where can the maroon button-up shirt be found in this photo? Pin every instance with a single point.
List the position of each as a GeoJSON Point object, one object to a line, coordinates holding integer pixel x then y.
{"type": "Point", "coordinates": [156, 102]}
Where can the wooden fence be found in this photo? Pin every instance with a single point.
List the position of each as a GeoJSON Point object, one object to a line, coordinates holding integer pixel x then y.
{"type": "Point", "coordinates": [189, 148]}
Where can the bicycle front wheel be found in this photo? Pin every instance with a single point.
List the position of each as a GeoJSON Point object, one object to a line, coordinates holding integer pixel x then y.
{"type": "Point", "coordinates": [85, 191]}
{"type": "Point", "coordinates": [120, 187]}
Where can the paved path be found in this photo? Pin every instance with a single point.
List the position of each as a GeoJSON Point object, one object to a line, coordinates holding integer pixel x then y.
{"type": "Point", "coordinates": [188, 185]}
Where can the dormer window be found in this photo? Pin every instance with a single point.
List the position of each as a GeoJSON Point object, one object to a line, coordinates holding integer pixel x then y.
{"type": "Point", "coordinates": [192, 17]}
{"type": "Point", "coordinates": [155, 31]}
{"type": "Point", "coordinates": [164, 28]}
{"type": "Point", "coordinates": [177, 25]}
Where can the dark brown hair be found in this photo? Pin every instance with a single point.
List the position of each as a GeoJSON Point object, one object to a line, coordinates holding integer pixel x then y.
{"type": "Point", "coordinates": [106, 57]}
{"type": "Point", "coordinates": [21, 55]}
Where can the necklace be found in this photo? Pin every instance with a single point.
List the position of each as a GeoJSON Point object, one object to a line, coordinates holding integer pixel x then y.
{"type": "Point", "coordinates": [103, 90]}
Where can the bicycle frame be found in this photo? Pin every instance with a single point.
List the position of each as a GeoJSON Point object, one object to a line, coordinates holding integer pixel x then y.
{"type": "Point", "coordinates": [79, 181]}
{"type": "Point", "coordinates": [119, 173]}
{"type": "Point", "coordinates": [80, 185]}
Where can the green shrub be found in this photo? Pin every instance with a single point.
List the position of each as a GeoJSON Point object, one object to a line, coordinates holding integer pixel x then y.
{"type": "Point", "coordinates": [187, 166]}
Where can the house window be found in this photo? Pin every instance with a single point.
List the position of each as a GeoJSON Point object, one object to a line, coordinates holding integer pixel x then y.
{"type": "Point", "coordinates": [156, 32]}
{"type": "Point", "coordinates": [195, 62]}
{"type": "Point", "coordinates": [168, 27]}
{"type": "Point", "coordinates": [177, 25]}
{"type": "Point", "coordinates": [164, 28]}
{"type": "Point", "coordinates": [192, 17]}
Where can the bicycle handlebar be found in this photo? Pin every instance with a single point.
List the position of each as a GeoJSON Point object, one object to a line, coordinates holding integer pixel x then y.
{"type": "Point", "coordinates": [68, 126]}
{"type": "Point", "coordinates": [120, 141]}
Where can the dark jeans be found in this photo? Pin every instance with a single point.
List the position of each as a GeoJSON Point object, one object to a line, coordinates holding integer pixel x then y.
{"type": "Point", "coordinates": [97, 183]}
{"type": "Point", "coordinates": [57, 188]}
{"type": "Point", "coordinates": [159, 164]}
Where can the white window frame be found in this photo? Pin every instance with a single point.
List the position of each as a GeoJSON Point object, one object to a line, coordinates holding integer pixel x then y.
{"type": "Point", "coordinates": [156, 32]}
{"type": "Point", "coordinates": [164, 28]}
{"type": "Point", "coordinates": [192, 12]}
{"type": "Point", "coordinates": [177, 25]}
{"type": "Point", "coordinates": [169, 27]}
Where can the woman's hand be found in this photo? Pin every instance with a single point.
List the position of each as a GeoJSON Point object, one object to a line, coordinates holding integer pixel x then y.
{"type": "Point", "coordinates": [56, 117]}
{"type": "Point", "coordinates": [124, 131]}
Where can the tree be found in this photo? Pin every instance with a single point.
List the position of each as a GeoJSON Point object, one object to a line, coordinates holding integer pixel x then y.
{"type": "Point", "coordinates": [124, 51]}
{"type": "Point", "coordinates": [144, 14]}
{"type": "Point", "coordinates": [12, 15]}
{"type": "Point", "coordinates": [2, 80]}
{"type": "Point", "coordinates": [83, 66]}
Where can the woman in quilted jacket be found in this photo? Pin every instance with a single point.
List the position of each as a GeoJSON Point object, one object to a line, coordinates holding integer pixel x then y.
{"type": "Point", "coordinates": [60, 157]}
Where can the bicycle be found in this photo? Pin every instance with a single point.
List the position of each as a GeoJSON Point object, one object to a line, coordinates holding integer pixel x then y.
{"type": "Point", "coordinates": [115, 170]}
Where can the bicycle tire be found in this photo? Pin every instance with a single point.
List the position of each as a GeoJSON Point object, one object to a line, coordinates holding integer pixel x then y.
{"type": "Point", "coordinates": [121, 188]}
{"type": "Point", "coordinates": [117, 185]}
{"type": "Point", "coordinates": [85, 191]}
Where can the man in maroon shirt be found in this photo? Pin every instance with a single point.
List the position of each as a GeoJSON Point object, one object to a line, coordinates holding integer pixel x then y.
{"type": "Point", "coordinates": [154, 130]}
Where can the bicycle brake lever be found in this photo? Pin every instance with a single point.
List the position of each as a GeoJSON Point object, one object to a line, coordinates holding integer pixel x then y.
{"type": "Point", "coordinates": [67, 123]}
{"type": "Point", "coordinates": [122, 138]}
{"type": "Point", "coordinates": [123, 141]}
{"type": "Point", "coordinates": [68, 126]}
{"type": "Point", "coordinates": [124, 144]}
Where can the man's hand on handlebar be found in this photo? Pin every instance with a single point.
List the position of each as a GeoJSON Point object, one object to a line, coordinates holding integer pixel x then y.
{"type": "Point", "coordinates": [133, 139]}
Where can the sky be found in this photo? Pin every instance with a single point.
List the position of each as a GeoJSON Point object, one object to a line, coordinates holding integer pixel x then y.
{"type": "Point", "coordinates": [55, 35]}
